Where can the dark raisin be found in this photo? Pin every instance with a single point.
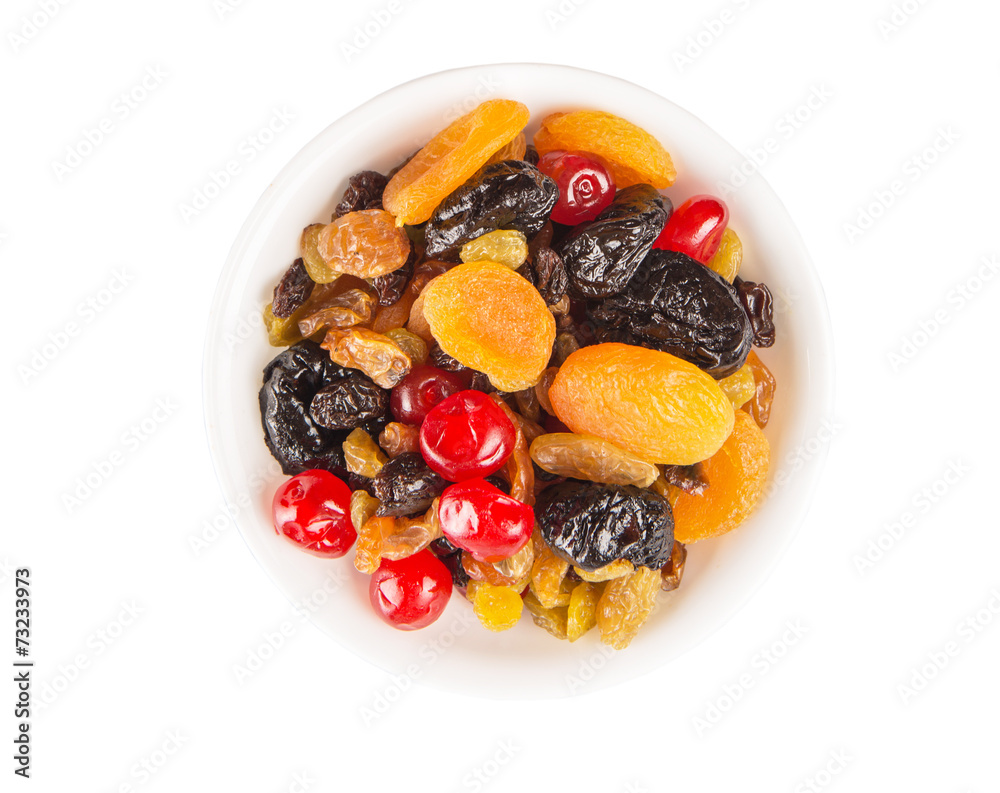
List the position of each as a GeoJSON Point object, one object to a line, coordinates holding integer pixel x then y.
{"type": "Point", "coordinates": [499, 482]}
{"type": "Point", "coordinates": [678, 305]}
{"type": "Point", "coordinates": [390, 287]}
{"type": "Point", "coordinates": [673, 570]}
{"type": "Point", "coordinates": [759, 306]}
{"type": "Point", "coordinates": [546, 272]}
{"type": "Point", "coordinates": [359, 482]}
{"type": "Point", "coordinates": [477, 380]}
{"type": "Point", "coordinates": [292, 290]}
{"type": "Point", "coordinates": [531, 155]}
{"type": "Point", "coordinates": [364, 191]}
{"type": "Point", "coordinates": [452, 559]}
{"type": "Point", "coordinates": [591, 525]}
{"type": "Point", "coordinates": [406, 485]}
{"type": "Point", "coordinates": [689, 478]}
{"type": "Point", "coordinates": [504, 195]}
{"type": "Point", "coordinates": [349, 403]}
{"type": "Point", "coordinates": [602, 256]}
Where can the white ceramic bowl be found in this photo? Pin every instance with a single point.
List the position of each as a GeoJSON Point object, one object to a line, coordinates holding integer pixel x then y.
{"type": "Point", "coordinates": [455, 653]}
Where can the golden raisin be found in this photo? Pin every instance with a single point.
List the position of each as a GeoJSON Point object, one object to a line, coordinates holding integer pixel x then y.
{"type": "Point", "coordinates": [498, 607]}
{"type": "Point", "coordinates": [554, 620]}
{"type": "Point", "coordinates": [353, 307]}
{"type": "Point", "coordinates": [412, 535]}
{"type": "Point", "coordinates": [363, 507]}
{"type": "Point", "coordinates": [520, 472]}
{"type": "Point", "coordinates": [451, 157]}
{"type": "Point", "coordinates": [362, 455]}
{"type": "Point", "coordinates": [635, 156]}
{"type": "Point", "coordinates": [517, 567]}
{"type": "Point", "coordinates": [739, 387]}
{"type": "Point", "coordinates": [368, 550]}
{"type": "Point", "coordinates": [514, 150]}
{"type": "Point", "coordinates": [625, 606]}
{"type": "Point", "coordinates": [492, 320]}
{"type": "Point", "coordinates": [736, 476]}
{"type": "Point", "coordinates": [609, 572]}
{"type": "Point", "coordinates": [542, 389]}
{"type": "Point", "coordinates": [728, 257]}
{"type": "Point", "coordinates": [283, 332]}
{"type": "Point", "coordinates": [315, 265]}
{"type": "Point", "coordinates": [509, 248]}
{"type": "Point", "coordinates": [764, 387]}
{"type": "Point", "coordinates": [548, 572]}
{"type": "Point", "coordinates": [651, 403]}
{"type": "Point", "coordinates": [581, 614]}
{"type": "Point", "coordinates": [397, 439]}
{"type": "Point", "coordinates": [588, 457]}
{"type": "Point", "coordinates": [375, 354]}
{"type": "Point", "coordinates": [365, 243]}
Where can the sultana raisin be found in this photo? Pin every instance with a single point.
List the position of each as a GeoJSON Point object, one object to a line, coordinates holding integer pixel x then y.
{"type": "Point", "coordinates": [491, 320]}
{"type": "Point", "coordinates": [349, 403]}
{"type": "Point", "coordinates": [362, 455]}
{"type": "Point", "coordinates": [353, 307]}
{"type": "Point", "coordinates": [412, 535]}
{"type": "Point", "coordinates": [625, 606]}
{"type": "Point", "coordinates": [581, 614]}
{"type": "Point", "coordinates": [405, 485]}
{"type": "Point", "coordinates": [498, 607]}
{"type": "Point", "coordinates": [375, 354]}
{"type": "Point", "coordinates": [397, 439]}
{"type": "Point", "coordinates": [520, 472]}
{"type": "Point", "coordinates": [609, 572]}
{"type": "Point", "coordinates": [542, 389]}
{"type": "Point", "coordinates": [551, 619]}
{"type": "Point", "coordinates": [518, 566]}
{"type": "Point", "coordinates": [509, 248]}
{"type": "Point", "coordinates": [739, 387]}
{"type": "Point", "coordinates": [365, 244]}
{"type": "Point", "coordinates": [591, 458]}
{"type": "Point", "coordinates": [364, 191]}
{"type": "Point", "coordinates": [650, 403]}
{"type": "Point", "coordinates": [315, 265]}
{"type": "Point", "coordinates": [368, 550]}
{"type": "Point", "coordinates": [728, 258]}
{"type": "Point", "coordinates": [673, 571]}
{"type": "Point", "coordinates": [564, 346]}
{"type": "Point", "coordinates": [363, 507]}
{"type": "Point", "coordinates": [548, 572]}
{"type": "Point", "coordinates": [451, 157]}
{"type": "Point", "coordinates": [292, 290]}
{"type": "Point", "coordinates": [527, 404]}
{"type": "Point", "coordinates": [764, 387]}
{"type": "Point", "coordinates": [410, 343]}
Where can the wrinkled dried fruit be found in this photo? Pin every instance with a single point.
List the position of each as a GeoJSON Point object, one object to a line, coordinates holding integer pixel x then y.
{"type": "Point", "coordinates": [650, 403]}
{"type": "Point", "coordinates": [591, 458]}
{"type": "Point", "coordinates": [739, 386]}
{"type": "Point", "coordinates": [633, 154]}
{"type": "Point", "coordinates": [675, 304]}
{"type": "Point", "coordinates": [410, 343]}
{"type": "Point", "coordinates": [485, 572]}
{"type": "Point", "coordinates": [548, 572]}
{"type": "Point", "coordinates": [365, 244]}
{"type": "Point", "coordinates": [376, 355]}
{"type": "Point", "coordinates": [689, 478]}
{"type": "Point", "coordinates": [764, 387]}
{"type": "Point", "coordinates": [609, 572]}
{"type": "Point", "coordinates": [564, 346]}
{"type": "Point", "coordinates": [352, 401]}
{"type": "Point", "coordinates": [736, 475]}
{"type": "Point", "coordinates": [285, 331]}
{"type": "Point", "coordinates": [391, 286]}
{"type": "Point", "coordinates": [514, 150]}
{"type": "Point", "coordinates": [673, 571]}
{"type": "Point", "coordinates": [729, 257]}
{"type": "Point", "coordinates": [527, 404]}
{"type": "Point", "coordinates": [405, 485]}
{"type": "Point", "coordinates": [292, 290]}
{"type": "Point", "coordinates": [363, 507]}
{"type": "Point", "coordinates": [353, 307]}
{"type": "Point", "coordinates": [592, 525]}
{"type": "Point", "coordinates": [518, 468]}
{"type": "Point", "coordinates": [506, 195]}
{"type": "Point", "coordinates": [551, 619]}
{"type": "Point", "coordinates": [542, 389]}
{"type": "Point", "coordinates": [581, 615]}
{"type": "Point", "coordinates": [362, 456]}
{"type": "Point", "coordinates": [546, 272]}
{"type": "Point", "coordinates": [602, 256]}
{"type": "Point", "coordinates": [412, 535]}
{"type": "Point", "coordinates": [315, 265]}
{"type": "Point", "coordinates": [759, 306]}
{"type": "Point", "coordinates": [397, 439]}
{"type": "Point", "coordinates": [451, 557]}
{"type": "Point", "coordinates": [490, 319]}
{"type": "Point", "coordinates": [498, 607]}
{"type": "Point", "coordinates": [517, 567]}
{"type": "Point", "coordinates": [451, 157]}
{"type": "Point", "coordinates": [368, 550]}
{"type": "Point", "coordinates": [625, 605]}
{"type": "Point", "coordinates": [509, 248]}
{"type": "Point", "coordinates": [364, 191]}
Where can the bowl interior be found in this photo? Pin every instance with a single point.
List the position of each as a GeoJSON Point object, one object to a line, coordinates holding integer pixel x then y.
{"type": "Point", "coordinates": [455, 653]}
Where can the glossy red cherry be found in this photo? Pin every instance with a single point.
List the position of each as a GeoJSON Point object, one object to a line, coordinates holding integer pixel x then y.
{"type": "Point", "coordinates": [466, 436]}
{"type": "Point", "coordinates": [410, 593]}
{"type": "Point", "coordinates": [483, 520]}
{"type": "Point", "coordinates": [695, 228]}
{"type": "Point", "coordinates": [412, 399]}
{"type": "Point", "coordinates": [313, 510]}
{"type": "Point", "coordinates": [586, 186]}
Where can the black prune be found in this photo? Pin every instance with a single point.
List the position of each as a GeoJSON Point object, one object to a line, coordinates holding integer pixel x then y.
{"type": "Point", "coordinates": [292, 290]}
{"type": "Point", "coordinates": [406, 485]}
{"type": "Point", "coordinates": [364, 191]}
{"type": "Point", "coordinates": [390, 287]}
{"type": "Point", "coordinates": [603, 255]}
{"type": "Point", "coordinates": [678, 305]}
{"type": "Point", "coordinates": [349, 403]}
{"type": "Point", "coordinates": [546, 272]}
{"type": "Point", "coordinates": [503, 195]}
{"type": "Point", "coordinates": [759, 305]}
{"type": "Point", "coordinates": [591, 525]}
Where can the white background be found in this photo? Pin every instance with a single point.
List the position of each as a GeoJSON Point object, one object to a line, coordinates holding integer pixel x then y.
{"type": "Point", "coordinates": [138, 633]}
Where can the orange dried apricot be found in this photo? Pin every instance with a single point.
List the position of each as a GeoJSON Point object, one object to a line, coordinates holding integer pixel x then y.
{"type": "Point", "coordinates": [514, 150]}
{"type": "Point", "coordinates": [736, 476]}
{"type": "Point", "coordinates": [489, 318]}
{"type": "Point", "coordinates": [648, 402]}
{"type": "Point", "coordinates": [635, 156]}
{"type": "Point", "coordinates": [451, 157]}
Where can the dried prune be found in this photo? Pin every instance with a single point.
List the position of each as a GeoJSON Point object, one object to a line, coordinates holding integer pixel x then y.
{"type": "Point", "coordinates": [547, 273]}
{"type": "Point", "coordinates": [391, 286]}
{"type": "Point", "coordinates": [364, 191]}
{"type": "Point", "coordinates": [602, 256]}
{"type": "Point", "coordinates": [406, 485]}
{"type": "Point", "coordinates": [591, 525]}
{"type": "Point", "coordinates": [759, 306]}
{"type": "Point", "coordinates": [292, 290]}
{"type": "Point", "coordinates": [505, 195]}
{"type": "Point", "coordinates": [676, 304]}
{"type": "Point", "coordinates": [349, 403]}
{"type": "Point", "coordinates": [291, 380]}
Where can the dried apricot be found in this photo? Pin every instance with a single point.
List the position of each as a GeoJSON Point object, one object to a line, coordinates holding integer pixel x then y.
{"type": "Point", "coordinates": [490, 319]}
{"type": "Point", "coordinates": [648, 402]}
{"type": "Point", "coordinates": [634, 156]}
{"type": "Point", "coordinates": [365, 244]}
{"type": "Point", "coordinates": [591, 458]}
{"type": "Point", "coordinates": [764, 387]}
{"type": "Point", "coordinates": [736, 476]}
{"type": "Point", "coordinates": [451, 157]}
{"type": "Point", "coordinates": [515, 150]}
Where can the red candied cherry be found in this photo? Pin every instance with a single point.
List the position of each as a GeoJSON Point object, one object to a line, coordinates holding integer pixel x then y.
{"type": "Point", "coordinates": [483, 520]}
{"type": "Point", "coordinates": [410, 593]}
{"type": "Point", "coordinates": [424, 387]}
{"type": "Point", "coordinates": [313, 510]}
{"type": "Point", "coordinates": [585, 183]}
{"type": "Point", "coordinates": [466, 436]}
{"type": "Point", "coordinates": [695, 228]}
